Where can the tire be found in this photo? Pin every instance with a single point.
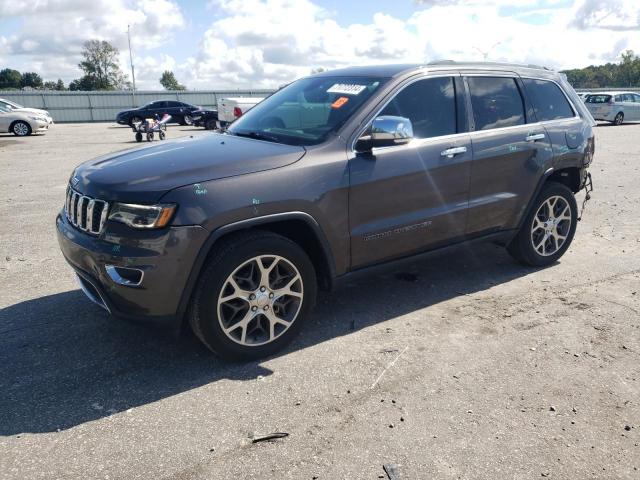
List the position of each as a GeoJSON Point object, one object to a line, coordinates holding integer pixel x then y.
{"type": "Point", "coordinates": [619, 118]}
{"type": "Point", "coordinates": [210, 125]}
{"type": "Point", "coordinates": [135, 120]}
{"type": "Point", "coordinates": [162, 135]}
{"type": "Point", "coordinates": [20, 128]}
{"type": "Point", "coordinates": [150, 137]}
{"type": "Point", "coordinates": [236, 258]}
{"type": "Point", "coordinates": [541, 242]}
{"type": "Point", "coordinates": [186, 120]}
{"type": "Point", "coordinates": [138, 137]}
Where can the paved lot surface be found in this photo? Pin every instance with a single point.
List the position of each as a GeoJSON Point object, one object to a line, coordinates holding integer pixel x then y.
{"type": "Point", "coordinates": [464, 366]}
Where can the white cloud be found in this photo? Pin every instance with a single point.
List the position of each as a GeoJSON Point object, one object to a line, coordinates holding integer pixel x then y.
{"type": "Point", "coordinates": [265, 43]}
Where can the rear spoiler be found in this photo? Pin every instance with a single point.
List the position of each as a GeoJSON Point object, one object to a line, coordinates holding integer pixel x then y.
{"type": "Point", "coordinates": [575, 99]}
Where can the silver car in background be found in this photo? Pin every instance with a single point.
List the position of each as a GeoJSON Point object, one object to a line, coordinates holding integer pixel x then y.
{"type": "Point", "coordinates": [614, 107]}
{"type": "Point", "coordinates": [22, 122]}
{"type": "Point", "coordinates": [9, 105]}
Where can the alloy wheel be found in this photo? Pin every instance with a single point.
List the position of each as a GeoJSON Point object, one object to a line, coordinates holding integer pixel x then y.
{"type": "Point", "coordinates": [260, 300]}
{"type": "Point", "coordinates": [21, 129]}
{"type": "Point", "coordinates": [551, 226]}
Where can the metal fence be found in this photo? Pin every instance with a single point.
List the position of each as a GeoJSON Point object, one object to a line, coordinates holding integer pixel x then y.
{"type": "Point", "coordinates": [103, 106]}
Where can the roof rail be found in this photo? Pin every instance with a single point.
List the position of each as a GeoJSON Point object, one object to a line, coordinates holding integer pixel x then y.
{"type": "Point", "coordinates": [505, 64]}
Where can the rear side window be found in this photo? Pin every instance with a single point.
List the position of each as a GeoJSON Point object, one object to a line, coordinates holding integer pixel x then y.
{"type": "Point", "coordinates": [496, 102]}
{"type": "Point", "coordinates": [549, 103]}
{"type": "Point", "coordinates": [598, 99]}
{"type": "Point", "coordinates": [430, 104]}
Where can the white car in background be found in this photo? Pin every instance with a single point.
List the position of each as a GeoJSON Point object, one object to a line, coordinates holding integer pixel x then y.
{"type": "Point", "coordinates": [22, 122]}
{"type": "Point", "coordinates": [8, 104]}
{"type": "Point", "coordinates": [614, 107]}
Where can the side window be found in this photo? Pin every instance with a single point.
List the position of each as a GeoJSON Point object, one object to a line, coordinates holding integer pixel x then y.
{"type": "Point", "coordinates": [636, 98]}
{"type": "Point", "coordinates": [617, 98]}
{"type": "Point", "coordinates": [627, 97]}
{"type": "Point", "coordinates": [496, 102]}
{"type": "Point", "coordinates": [549, 102]}
{"type": "Point", "coordinates": [430, 104]}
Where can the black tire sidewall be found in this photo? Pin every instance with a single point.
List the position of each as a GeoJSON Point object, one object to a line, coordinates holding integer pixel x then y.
{"type": "Point", "coordinates": [524, 245]}
{"type": "Point", "coordinates": [214, 279]}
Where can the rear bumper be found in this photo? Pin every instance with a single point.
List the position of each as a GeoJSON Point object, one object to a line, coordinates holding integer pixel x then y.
{"type": "Point", "coordinates": [164, 256]}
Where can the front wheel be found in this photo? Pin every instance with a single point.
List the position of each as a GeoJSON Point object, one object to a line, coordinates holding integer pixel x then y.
{"type": "Point", "coordinates": [21, 129]}
{"type": "Point", "coordinates": [162, 135]}
{"type": "Point", "coordinates": [549, 227]}
{"type": "Point", "coordinates": [150, 137]}
{"type": "Point", "coordinates": [253, 295]}
{"type": "Point", "coordinates": [138, 137]}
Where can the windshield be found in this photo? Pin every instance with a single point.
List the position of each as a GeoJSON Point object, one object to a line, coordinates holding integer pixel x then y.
{"type": "Point", "coordinates": [306, 111]}
{"type": "Point", "coordinates": [11, 105]}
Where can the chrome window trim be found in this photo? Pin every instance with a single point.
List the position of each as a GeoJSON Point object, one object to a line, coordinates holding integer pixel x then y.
{"type": "Point", "coordinates": [411, 81]}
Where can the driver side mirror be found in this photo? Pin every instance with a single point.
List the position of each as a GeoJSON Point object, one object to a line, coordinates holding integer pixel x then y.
{"type": "Point", "coordinates": [386, 131]}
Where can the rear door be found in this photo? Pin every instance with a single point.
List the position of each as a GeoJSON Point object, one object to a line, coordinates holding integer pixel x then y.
{"type": "Point", "coordinates": [510, 150]}
{"type": "Point", "coordinates": [408, 198]}
{"type": "Point", "coordinates": [553, 109]}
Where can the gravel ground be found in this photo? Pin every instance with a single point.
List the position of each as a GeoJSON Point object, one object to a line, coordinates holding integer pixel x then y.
{"type": "Point", "coordinates": [459, 366]}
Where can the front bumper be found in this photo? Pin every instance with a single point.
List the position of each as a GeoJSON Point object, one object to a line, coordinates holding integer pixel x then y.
{"type": "Point", "coordinates": [166, 257]}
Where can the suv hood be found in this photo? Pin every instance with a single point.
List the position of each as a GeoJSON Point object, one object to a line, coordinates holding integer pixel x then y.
{"type": "Point", "coordinates": [143, 175]}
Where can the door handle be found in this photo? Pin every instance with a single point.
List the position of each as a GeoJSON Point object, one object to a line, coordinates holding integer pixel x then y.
{"type": "Point", "coordinates": [532, 137]}
{"type": "Point", "coordinates": [451, 152]}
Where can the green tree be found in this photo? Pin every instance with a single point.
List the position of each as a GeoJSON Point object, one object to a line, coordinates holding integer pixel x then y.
{"type": "Point", "coordinates": [101, 68]}
{"type": "Point", "coordinates": [60, 85]}
{"type": "Point", "coordinates": [169, 82]}
{"type": "Point", "coordinates": [31, 79]}
{"type": "Point", "coordinates": [10, 79]}
{"type": "Point", "coordinates": [629, 69]}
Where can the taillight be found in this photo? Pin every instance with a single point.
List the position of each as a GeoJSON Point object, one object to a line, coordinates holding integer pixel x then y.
{"type": "Point", "coordinates": [237, 112]}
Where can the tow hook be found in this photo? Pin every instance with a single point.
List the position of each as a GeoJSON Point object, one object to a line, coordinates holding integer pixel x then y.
{"type": "Point", "coordinates": [588, 187]}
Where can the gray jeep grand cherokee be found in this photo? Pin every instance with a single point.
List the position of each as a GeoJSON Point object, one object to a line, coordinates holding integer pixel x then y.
{"type": "Point", "coordinates": [336, 172]}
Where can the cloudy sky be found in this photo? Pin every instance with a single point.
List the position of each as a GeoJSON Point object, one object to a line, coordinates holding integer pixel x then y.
{"type": "Point", "coordinates": [265, 43]}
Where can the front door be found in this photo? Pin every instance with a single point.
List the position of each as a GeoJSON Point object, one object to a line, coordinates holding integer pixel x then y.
{"type": "Point", "coordinates": [408, 198]}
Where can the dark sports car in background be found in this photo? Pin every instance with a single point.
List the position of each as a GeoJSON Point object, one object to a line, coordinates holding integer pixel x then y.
{"type": "Point", "coordinates": [205, 118]}
{"type": "Point", "coordinates": [180, 112]}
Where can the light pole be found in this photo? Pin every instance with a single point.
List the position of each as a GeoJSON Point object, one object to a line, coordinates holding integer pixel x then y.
{"type": "Point", "coordinates": [133, 75]}
{"type": "Point", "coordinates": [485, 54]}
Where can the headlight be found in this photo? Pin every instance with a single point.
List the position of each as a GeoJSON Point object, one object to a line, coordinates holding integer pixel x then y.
{"type": "Point", "coordinates": [38, 119]}
{"type": "Point", "coordinates": [142, 216]}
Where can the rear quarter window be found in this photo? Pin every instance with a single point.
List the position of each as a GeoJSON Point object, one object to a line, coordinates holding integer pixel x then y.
{"type": "Point", "coordinates": [496, 102]}
{"type": "Point", "coordinates": [549, 103]}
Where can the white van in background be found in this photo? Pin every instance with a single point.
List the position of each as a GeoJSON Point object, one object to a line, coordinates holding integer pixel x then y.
{"type": "Point", "coordinates": [614, 107]}
{"type": "Point", "coordinates": [233, 107]}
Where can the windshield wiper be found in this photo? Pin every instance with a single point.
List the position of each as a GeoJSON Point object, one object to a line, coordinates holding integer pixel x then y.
{"type": "Point", "coordinates": [257, 136]}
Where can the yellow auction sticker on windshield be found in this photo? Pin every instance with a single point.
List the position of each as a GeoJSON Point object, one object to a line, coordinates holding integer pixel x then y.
{"type": "Point", "coordinates": [346, 88]}
{"type": "Point", "coordinates": [339, 102]}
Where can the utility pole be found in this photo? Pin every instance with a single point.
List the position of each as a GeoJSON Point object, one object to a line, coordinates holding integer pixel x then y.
{"type": "Point", "coordinates": [133, 75]}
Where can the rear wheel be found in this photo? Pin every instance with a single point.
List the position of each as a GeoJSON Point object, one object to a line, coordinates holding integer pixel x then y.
{"type": "Point", "coordinates": [149, 136]}
{"type": "Point", "coordinates": [210, 125]}
{"type": "Point", "coordinates": [138, 137]}
{"type": "Point", "coordinates": [21, 129]}
{"type": "Point", "coordinates": [548, 229]}
{"type": "Point", "coordinates": [162, 135]}
{"type": "Point", "coordinates": [253, 295]}
{"type": "Point", "coordinates": [619, 118]}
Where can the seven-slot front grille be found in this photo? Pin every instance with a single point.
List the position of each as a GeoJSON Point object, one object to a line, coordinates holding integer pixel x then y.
{"type": "Point", "coordinates": [86, 213]}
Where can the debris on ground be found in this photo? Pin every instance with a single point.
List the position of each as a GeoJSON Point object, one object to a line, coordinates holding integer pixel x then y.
{"type": "Point", "coordinates": [392, 471]}
{"type": "Point", "coordinates": [255, 438]}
